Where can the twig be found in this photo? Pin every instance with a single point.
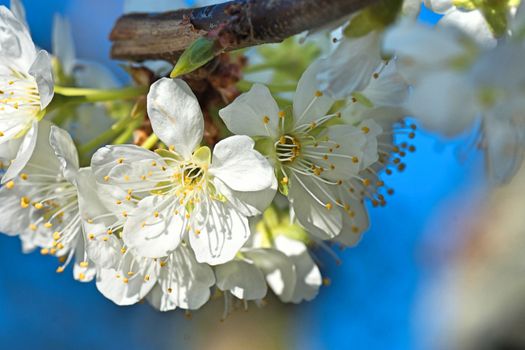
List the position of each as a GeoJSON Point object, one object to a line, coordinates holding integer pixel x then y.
{"type": "Point", "coordinates": [236, 24]}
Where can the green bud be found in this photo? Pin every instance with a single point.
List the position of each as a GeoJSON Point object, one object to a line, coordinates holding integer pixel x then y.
{"type": "Point", "coordinates": [202, 51]}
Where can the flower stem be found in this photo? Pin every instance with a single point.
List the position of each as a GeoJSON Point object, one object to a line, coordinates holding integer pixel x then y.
{"type": "Point", "coordinates": [150, 142]}
{"type": "Point", "coordinates": [80, 95]}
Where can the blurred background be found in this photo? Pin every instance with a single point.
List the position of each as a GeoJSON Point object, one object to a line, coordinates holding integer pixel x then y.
{"type": "Point", "coordinates": [441, 268]}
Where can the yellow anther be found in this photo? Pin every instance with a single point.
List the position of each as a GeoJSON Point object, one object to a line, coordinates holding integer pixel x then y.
{"type": "Point", "coordinates": [197, 232]}
{"type": "Point", "coordinates": [318, 93]}
{"type": "Point", "coordinates": [125, 214]}
{"type": "Point", "coordinates": [328, 206]}
{"type": "Point", "coordinates": [10, 185]}
{"type": "Point", "coordinates": [24, 202]}
{"type": "Point", "coordinates": [355, 160]}
{"type": "Point", "coordinates": [366, 182]}
{"type": "Point", "coordinates": [52, 251]}
{"type": "Point", "coordinates": [126, 178]}
{"type": "Point", "coordinates": [153, 163]}
{"type": "Point", "coordinates": [56, 235]}
{"type": "Point", "coordinates": [146, 278]}
{"type": "Point", "coordinates": [170, 290]}
{"type": "Point", "coordinates": [123, 250]}
{"type": "Point", "coordinates": [266, 119]}
{"type": "Point", "coordinates": [125, 280]}
{"type": "Point", "coordinates": [326, 281]}
{"type": "Point", "coordinates": [44, 251]}
{"type": "Point", "coordinates": [156, 214]}
{"type": "Point", "coordinates": [24, 176]}
{"type": "Point", "coordinates": [325, 157]}
{"type": "Point", "coordinates": [282, 140]}
{"type": "Point", "coordinates": [38, 206]}
{"type": "Point", "coordinates": [171, 148]}
{"type": "Point", "coordinates": [143, 177]}
{"type": "Point", "coordinates": [32, 227]}
{"type": "Point", "coordinates": [91, 236]}
{"type": "Point", "coordinates": [282, 114]}
{"type": "Point", "coordinates": [120, 160]}
{"type": "Point", "coordinates": [48, 225]}
{"type": "Point", "coordinates": [163, 263]}
{"type": "Point", "coordinates": [1, 134]}
{"type": "Point", "coordinates": [60, 269]}
{"type": "Point", "coordinates": [332, 166]}
{"type": "Point", "coordinates": [81, 276]}
{"type": "Point", "coordinates": [128, 197]}
{"type": "Point", "coordinates": [84, 264]}
{"type": "Point", "coordinates": [131, 273]}
{"type": "Point", "coordinates": [285, 180]}
{"type": "Point", "coordinates": [375, 75]}
{"type": "Point", "coordinates": [109, 231]}
{"type": "Point", "coordinates": [118, 202]}
{"type": "Point", "coordinates": [105, 238]}
{"type": "Point", "coordinates": [365, 129]}
{"type": "Point", "coordinates": [187, 215]}
{"type": "Point", "coordinates": [313, 125]}
{"type": "Point", "coordinates": [106, 178]}
{"type": "Point", "coordinates": [60, 246]}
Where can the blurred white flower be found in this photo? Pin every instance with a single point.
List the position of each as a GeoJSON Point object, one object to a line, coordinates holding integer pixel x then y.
{"type": "Point", "coordinates": [457, 83]}
{"type": "Point", "coordinates": [184, 192]}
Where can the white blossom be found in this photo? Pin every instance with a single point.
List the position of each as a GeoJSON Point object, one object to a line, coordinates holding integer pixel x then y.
{"type": "Point", "coordinates": [26, 88]}
{"type": "Point", "coordinates": [184, 192]}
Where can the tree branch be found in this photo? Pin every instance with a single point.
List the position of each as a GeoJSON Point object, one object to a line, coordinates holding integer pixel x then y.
{"type": "Point", "coordinates": [236, 24]}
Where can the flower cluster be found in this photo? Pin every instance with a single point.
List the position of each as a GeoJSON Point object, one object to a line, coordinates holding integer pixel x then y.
{"type": "Point", "coordinates": [460, 80]}
{"type": "Point", "coordinates": [172, 224]}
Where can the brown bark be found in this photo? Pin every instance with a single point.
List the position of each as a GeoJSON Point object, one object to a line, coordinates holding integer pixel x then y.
{"type": "Point", "coordinates": [236, 24]}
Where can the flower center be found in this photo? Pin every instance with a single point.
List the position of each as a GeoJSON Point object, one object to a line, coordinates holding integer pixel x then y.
{"type": "Point", "coordinates": [287, 148]}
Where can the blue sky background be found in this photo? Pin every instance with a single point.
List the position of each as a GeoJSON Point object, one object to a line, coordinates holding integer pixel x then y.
{"type": "Point", "coordinates": [374, 294]}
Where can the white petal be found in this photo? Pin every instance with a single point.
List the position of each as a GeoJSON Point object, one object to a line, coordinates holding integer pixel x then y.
{"type": "Point", "coordinates": [239, 166]}
{"type": "Point", "coordinates": [82, 273]}
{"type": "Point", "coordinates": [504, 137]}
{"type": "Point", "coordinates": [278, 269]}
{"type": "Point", "coordinates": [63, 43]}
{"type": "Point", "coordinates": [175, 115]}
{"type": "Point", "coordinates": [66, 152]}
{"type": "Point", "coordinates": [93, 75]}
{"type": "Point", "coordinates": [151, 230]}
{"type": "Point", "coordinates": [14, 220]}
{"type": "Point", "coordinates": [248, 203]}
{"type": "Point", "coordinates": [254, 113]}
{"type": "Point", "coordinates": [350, 66]}
{"type": "Point", "coordinates": [444, 102]}
{"type": "Point", "coordinates": [17, 48]}
{"type": "Point", "coordinates": [42, 71]}
{"type": "Point", "coordinates": [439, 6]}
{"type": "Point", "coordinates": [25, 151]}
{"type": "Point", "coordinates": [124, 160]}
{"type": "Point", "coordinates": [242, 279]}
{"type": "Point", "coordinates": [339, 163]}
{"type": "Point", "coordinates": [18, 10]}
{"type": "Point", "coordinates": [420, 48]}
{"type": "Point", "coordinates": [308, 103]}
{"type": "Point", "coordinates": [308, 275]}
{"type": "Point", "coordinates": [472, 23]}
{"type": "Point", "coordinates": [185, 282]}
{"type": "Point", "coordinates": [123, 289]}
{"type": "Point", "coordinates": [160, 300]}
{"type": "Point", "coordinates": [223, 231]}
{"type": "Point", "coordinates": [314, 216]}
{"type": "Point", "coordinates": [389, 89]}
